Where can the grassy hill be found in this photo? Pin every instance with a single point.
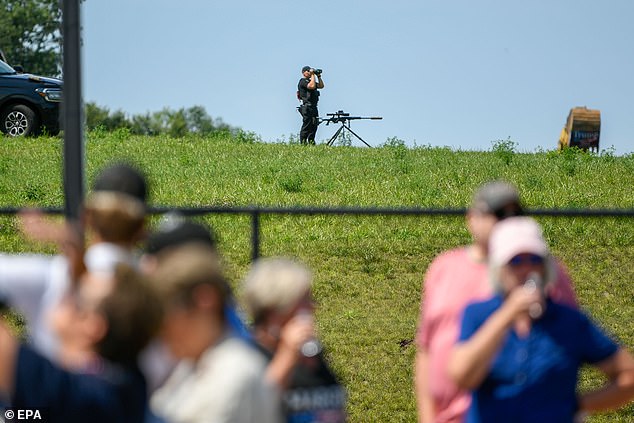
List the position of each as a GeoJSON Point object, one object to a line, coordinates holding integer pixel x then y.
{"type": "Point", "coordinates": [368, 269]}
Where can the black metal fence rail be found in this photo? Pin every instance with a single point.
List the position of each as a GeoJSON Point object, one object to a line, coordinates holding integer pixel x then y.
{"type": "Point", "coordinates": [257, 211]}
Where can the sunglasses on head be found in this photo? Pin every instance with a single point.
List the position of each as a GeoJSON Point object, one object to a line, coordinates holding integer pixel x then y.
{"type": "Point", "coordinates": [526, 259]}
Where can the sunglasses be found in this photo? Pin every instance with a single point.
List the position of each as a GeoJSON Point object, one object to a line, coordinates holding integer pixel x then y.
{"type": "Point", "coordinates": [510, 210]}
{"type": "Point", "coordinates": [520, 259]}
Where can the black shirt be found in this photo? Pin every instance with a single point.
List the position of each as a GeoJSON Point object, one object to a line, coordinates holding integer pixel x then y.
{"type": "Point", "coordinates": [313, 394]}
{"type": "Point", "coordinates": [113, 394]}
{"type": "Point", "coordinates": [307, 96]}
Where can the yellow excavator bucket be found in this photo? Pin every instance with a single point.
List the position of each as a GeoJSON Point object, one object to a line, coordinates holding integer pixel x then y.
{"type": "Point", "coordinates": [582, 130]}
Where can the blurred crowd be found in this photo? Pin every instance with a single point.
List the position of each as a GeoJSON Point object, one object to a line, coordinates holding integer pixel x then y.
{"type": "Point", "coordinates": [132, 323]}
{"type": "Point", "coordinates": [501, 337]}
{"type": "Point", "coordinates": [129, 323]}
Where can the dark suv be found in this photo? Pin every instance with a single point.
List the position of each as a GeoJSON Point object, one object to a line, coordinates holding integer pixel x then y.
{"type": "Point", "coordinates": [29, 104]}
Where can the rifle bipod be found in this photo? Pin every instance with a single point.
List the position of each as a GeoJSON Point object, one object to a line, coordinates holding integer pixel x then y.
{"type": "Point", "coordinates": [344, 119]}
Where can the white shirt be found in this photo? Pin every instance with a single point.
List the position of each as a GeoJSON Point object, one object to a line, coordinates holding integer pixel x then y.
{"type": "Point", "coordinates": [34, 284]}
{"type": "Point", "coordinates": [103, 257]}
{"type": "Point", "coordinates": [225, 386]}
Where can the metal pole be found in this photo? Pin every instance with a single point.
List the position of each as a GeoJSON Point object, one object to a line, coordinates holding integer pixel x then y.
{"type": "Point", "coordinates": [72, 110]}
{"type": "Point", "coordinates": [255, 235]}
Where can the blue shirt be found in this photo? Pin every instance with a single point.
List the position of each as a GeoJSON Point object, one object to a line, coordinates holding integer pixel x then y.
{"type": "Point", "coordinates": [534, 379]}
{"type": "Point", "coordinates": [235, 322]}
{"type": "Point", "coordinates": [114, 394]}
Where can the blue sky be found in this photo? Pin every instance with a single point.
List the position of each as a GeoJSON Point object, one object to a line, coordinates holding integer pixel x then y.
{"type": "Point", "coordinates": [457, 73]}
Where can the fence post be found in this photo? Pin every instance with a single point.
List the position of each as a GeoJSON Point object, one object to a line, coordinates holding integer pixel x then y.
{"type": "Point", "coordinates": [72, 110]}
{"type": "Point", "coordinates": [255, 235]}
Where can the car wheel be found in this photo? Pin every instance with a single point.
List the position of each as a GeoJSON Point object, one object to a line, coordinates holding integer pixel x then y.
{"type": "Point", "coordinates": [19, 120]}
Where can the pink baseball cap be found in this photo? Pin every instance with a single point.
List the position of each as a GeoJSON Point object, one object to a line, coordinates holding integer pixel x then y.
{"type": "Point", "coordinates": [513, 236]}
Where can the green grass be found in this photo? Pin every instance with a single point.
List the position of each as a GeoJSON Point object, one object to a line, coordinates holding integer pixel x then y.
{"type": "Point", "coordinates": [368, 269]}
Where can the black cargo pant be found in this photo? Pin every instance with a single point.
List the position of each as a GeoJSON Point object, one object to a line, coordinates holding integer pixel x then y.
{"type": "Point", "coordinates": [310, 121]}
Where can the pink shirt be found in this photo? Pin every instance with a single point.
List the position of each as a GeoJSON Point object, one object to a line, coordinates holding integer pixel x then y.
{"type": "Point", "coordinates": [454, 280]}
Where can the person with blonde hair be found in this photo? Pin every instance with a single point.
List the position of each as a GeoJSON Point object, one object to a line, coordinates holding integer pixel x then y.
{"type": "Point", "coordinates": [277, 293]}
{"type": "Point", "coordinates": [219, 377]}
{"type": "Point", "coordinates": [519, 352]}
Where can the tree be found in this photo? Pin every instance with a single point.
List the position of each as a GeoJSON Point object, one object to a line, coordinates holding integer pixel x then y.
{"type": "Point", "coordinates": [95, 116]}
{"type": "Point", "coordinates": [175, 123]}
{"type": "Point", "coordinates": [101, 116]}
{"type": "Point", "coordinates": [198, 121]}
{"type": "Point", "coordinates": [30, 35]}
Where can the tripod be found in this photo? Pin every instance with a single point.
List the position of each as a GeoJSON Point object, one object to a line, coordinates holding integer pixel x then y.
{"type": "Point", "coordinates": [344, 119]}
{"type": "Point", "coordinates": [342, 128]}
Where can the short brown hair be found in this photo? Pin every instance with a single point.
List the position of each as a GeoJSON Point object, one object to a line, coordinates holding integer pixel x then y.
{"type": "Point", "coordinates": [115, 217]}
{"type": "Point", "coordinates": [185, 267]}
{"type": "Point", "coordinates": [133, 312]}
{"type": "Point", "coordinates": [116, 206]}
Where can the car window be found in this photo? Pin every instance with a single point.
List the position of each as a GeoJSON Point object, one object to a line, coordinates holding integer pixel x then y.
{"type": "Point", "coordinates": [5, 69]}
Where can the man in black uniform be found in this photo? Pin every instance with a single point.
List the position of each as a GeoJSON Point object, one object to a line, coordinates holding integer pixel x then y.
{"type": "Point", "coordinates": [307, 92]}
